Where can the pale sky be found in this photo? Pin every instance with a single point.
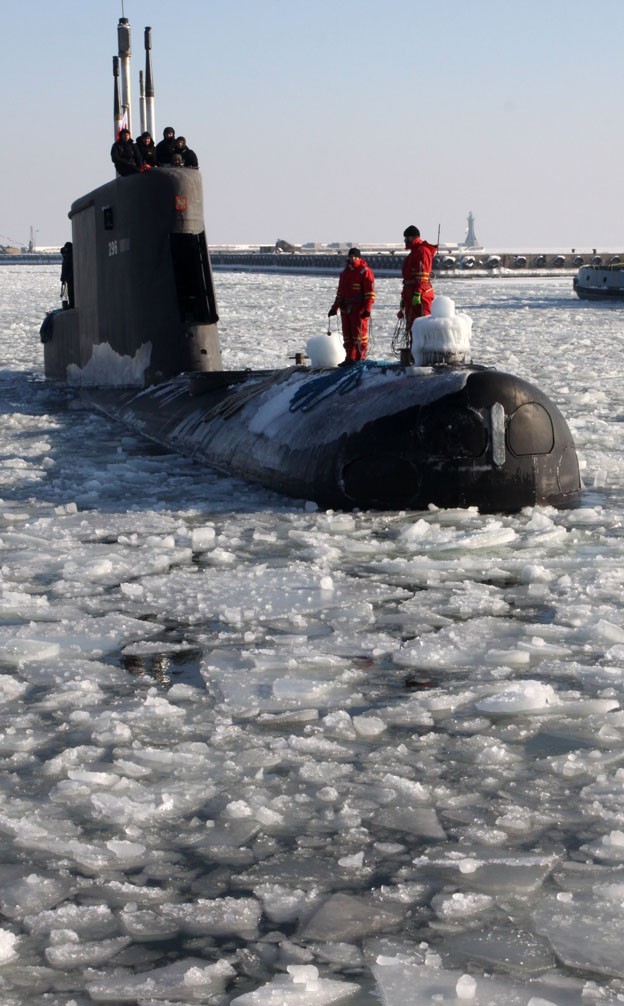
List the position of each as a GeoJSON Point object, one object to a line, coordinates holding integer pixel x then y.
{"type": "Point", "coordinates": [333, 120]}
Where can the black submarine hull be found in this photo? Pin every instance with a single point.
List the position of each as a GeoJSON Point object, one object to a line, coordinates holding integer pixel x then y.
{"type": "Point", "coordinates": [374, 436]}
{"type": "Point", "coordinates": [142, 343]}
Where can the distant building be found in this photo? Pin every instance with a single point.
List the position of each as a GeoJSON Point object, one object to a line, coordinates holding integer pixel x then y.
{"type": "Point", "coordinates": [470, 240]}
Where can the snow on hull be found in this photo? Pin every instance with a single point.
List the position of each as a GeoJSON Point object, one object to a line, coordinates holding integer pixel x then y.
{"type": "Point", "coordinates": [373, 436]}
{"type": "Point", "coordinates": [111, 369]}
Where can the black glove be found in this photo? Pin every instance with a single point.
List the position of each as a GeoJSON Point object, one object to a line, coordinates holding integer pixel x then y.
{"type": "Point", "coordinates": [332, 311]}
{"type": "Point", "coordinates": [365, 314]}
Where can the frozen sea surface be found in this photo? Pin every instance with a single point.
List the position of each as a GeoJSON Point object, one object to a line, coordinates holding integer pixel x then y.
{"type": "Point", "coordinates": [252, 752]}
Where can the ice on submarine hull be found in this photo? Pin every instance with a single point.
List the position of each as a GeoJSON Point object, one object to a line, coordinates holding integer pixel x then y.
{"type": "Point", "coordinates": [143, 332]}
{"type": "Point", "coordinates": [378, 437]}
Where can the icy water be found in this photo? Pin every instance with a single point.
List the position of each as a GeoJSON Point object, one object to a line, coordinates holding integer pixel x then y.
{"type": "Point", "coordinates": [256, 753]}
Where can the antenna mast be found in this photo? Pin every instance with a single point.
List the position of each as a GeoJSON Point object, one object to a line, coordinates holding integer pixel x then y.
{"type": "Point", "coordinates": [142, 102]}
{"type": "Point", "coordinates": [122, 102]}
{"type": "Point", "coordinates": [150, 118]}
{"type": "Point", "coordinates": [125, 52]}
{"type": "Point", "coordinates": [117, 114]}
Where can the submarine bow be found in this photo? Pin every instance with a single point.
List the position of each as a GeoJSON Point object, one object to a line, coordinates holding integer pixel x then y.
{"type": "Point", "coordinates": [377, 436]}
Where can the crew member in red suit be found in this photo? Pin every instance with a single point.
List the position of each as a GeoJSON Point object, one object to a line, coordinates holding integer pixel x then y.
{"type": "Point", "coordinates": [354, 298]}
{"type": "Point", "coordinates": [417, 294]}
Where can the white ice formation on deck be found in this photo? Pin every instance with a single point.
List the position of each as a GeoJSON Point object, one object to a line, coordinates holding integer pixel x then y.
{"type": "Point", "coordinates": [325, 350]}
{"type": "Point", "coordinates": [442, 336]}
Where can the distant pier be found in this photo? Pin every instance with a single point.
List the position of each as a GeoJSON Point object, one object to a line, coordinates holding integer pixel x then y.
{"type": "Point", "coordinates": [448, 262]}
{"type": "Point", "coordinates": [30, 258]}
{"type": "Point", "coordinates": [461, 263]}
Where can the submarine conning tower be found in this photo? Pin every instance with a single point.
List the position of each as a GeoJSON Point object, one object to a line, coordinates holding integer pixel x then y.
{"type": "Point", "coordinates": [144, 307]}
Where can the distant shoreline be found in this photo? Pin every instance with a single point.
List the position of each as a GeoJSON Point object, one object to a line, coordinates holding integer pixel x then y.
{"type": "Point", "coordinates": [450, 262]}
{"type": "Point", "coordinates": [31, 258]}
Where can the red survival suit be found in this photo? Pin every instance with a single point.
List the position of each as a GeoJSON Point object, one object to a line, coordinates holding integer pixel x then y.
{"type": "Point", "coordinates": [355, 297]}
{"type": "Point", "coordinates": [417, 294]}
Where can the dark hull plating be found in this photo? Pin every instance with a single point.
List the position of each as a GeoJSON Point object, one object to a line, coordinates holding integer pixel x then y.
{"type": "Point", "coordinates": [590, 293]}
{"type": "Point", "coordinates": [373, 437]}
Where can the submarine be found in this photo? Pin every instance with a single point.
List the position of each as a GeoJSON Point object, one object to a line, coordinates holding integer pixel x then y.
{"type": "Point", "coordinates": [140, 342]}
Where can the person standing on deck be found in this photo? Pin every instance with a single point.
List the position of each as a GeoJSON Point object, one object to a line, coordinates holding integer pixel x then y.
{"type": "Point", "coordinates": [417, 294]}
{"type": "Point", "coordinates": [354, 299]}
{"type": "Point", "coordinates": [67, 275]}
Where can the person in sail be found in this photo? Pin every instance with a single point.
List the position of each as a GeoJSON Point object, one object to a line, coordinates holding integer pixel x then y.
{"type": "Point", "coordinates": [147, 150]}
{"type": "Point", "coordinates": [354, 299]}
{"type": "Point", "coordinates": [125, 155]}
{"type": "Point", "coordinates": [189, 157]}
{"type": "Point", "coordinates": [165, 148]}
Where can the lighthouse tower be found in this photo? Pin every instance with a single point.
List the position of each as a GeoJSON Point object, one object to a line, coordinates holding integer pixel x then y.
{"type": "Point", "coordinates": [471, 237]}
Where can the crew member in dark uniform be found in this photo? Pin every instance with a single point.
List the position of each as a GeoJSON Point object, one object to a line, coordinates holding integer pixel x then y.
{"type": "Point", "coordinates": [165, 147]}
{"type": "Point", "coordinates": [189, 157]}
{"type": "Point", "coordinates": [124, 154]}
{"type": "Point", "coordinates": [67, 275]}
{"type": "Point", "coordinates": [147, 150]}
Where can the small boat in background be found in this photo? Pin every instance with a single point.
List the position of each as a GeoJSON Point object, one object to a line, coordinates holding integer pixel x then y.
{"type": "Point", "coordinates": [601, 282]}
